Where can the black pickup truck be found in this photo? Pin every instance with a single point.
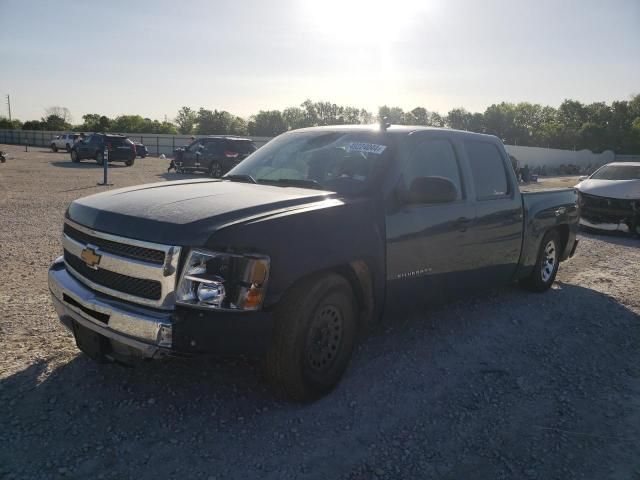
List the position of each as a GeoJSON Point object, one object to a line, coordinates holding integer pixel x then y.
{"type": "Point", "coordinates": [302, 246]}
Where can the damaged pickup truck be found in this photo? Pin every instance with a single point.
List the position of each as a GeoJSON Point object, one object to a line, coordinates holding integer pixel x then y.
{"type": "Point", "coordinates": [610, 198]}
{"type": "Point", "coordinates": [302, 246]}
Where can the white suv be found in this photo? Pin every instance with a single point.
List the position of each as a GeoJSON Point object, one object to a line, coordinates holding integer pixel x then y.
{"type": "Point", "coordinates": [64, 141]}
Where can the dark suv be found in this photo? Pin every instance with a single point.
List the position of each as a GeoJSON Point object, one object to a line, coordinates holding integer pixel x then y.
{"type": "Point", "coordinates": [214, 155]}
{"type": "Point", "coordinates": [120, 149]}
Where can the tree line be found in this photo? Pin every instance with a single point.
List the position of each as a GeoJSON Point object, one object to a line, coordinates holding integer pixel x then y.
{"type": "Point", "coordinates": [573, 125]}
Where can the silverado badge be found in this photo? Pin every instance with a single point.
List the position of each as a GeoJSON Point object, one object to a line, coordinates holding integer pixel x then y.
{"type": "Point", "coordinates": [90, 257]}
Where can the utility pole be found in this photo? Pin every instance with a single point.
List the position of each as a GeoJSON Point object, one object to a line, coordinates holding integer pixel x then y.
{"type": "Point", "coordinates": [9, 105]}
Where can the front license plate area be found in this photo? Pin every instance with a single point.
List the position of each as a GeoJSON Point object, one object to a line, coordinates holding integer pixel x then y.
{"type": "Point", "coordinates": [91, 343]}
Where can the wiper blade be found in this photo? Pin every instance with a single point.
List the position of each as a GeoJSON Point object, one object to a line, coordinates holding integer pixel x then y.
{"type": "Point", "coordinates": [240, 178]}
{"type": "Point", "coordinates": [293, 182]}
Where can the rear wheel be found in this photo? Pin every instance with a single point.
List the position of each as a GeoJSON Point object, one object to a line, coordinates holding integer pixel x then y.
{"type": "Point", "coordinates": [74, 156]}
{"type": "Point", "coordinates": [99, 158]}
{"type": "Point", "coordinates": [546, 267]}
{"type": "Point", "coordinates": [54, 148]}
{"type": "Point", "coordinates": [130, 162]}
{"type": "Point", "coordinates": [314, 335]}
{"type": "Point", "coordinates": [215, 170]}
{"type": "Point", "coordinates": [68, 147]}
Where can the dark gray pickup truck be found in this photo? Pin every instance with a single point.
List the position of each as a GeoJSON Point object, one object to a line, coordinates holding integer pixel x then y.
{"type": "Point", "coordinates": [302, 246]}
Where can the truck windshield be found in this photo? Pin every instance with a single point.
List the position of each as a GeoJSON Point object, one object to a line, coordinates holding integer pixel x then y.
{"type": "Point", "coordinates": [344, 162]}
{"type": "Point", "coordinates": [618, 172]}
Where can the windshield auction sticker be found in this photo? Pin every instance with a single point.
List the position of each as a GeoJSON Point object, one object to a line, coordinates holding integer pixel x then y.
{"type": "Point", "coordinates": [366, 148]}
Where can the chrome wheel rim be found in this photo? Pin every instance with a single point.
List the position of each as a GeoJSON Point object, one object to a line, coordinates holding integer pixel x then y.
{"type": "Point", "coordinates": [548, 261]}
{"type": "Point", "coordinates": [324, 338]}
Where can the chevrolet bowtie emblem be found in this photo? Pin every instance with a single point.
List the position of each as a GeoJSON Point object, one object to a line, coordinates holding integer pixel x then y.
{"type": "Point", "coordinates": [90, 257]}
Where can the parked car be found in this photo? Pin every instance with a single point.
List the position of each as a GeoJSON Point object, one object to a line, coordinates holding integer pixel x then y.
{"type": "Point", "coordinates": [141, 149]}
{"type": "Point", "coordinates": [214, 155]}
{"type": "Point", "coordinates": [610, 198]}
{"type": "Point", "coordinates": [119, 147]}
{"type": "Point", "coordinates": [64, 141]}
{"type": "Point", "coordinates": [302, 246]}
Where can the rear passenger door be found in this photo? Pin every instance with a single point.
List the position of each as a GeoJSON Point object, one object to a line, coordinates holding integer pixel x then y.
{"type": "Point", "coordinates": [496, 235]}
{"type": "Point", "coordinates": [427, 244]}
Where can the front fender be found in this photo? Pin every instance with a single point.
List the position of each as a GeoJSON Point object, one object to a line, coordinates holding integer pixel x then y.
{"type": "Point", "coordinates": [328, 235]}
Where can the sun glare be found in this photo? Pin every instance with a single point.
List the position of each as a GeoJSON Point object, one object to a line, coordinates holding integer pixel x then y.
{"type": "Point", "coordinates": [362, 21]}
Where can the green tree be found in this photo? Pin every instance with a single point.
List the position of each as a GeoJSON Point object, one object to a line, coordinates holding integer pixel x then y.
{"type": "Point", "coordinates": [267, 123]}
{"type": "Point", "coordinates": [54, 122]}
{"type": "Point", "coordinates": [394, 115]}
{"type": "Point", "coordinates": [94, 122]}
{"type": "Point", "coordinates": [459, 119]}
{"type": "Point", "coordinates": [295, 117]}
{"type": "Point", "coordinates": [186, 120]}
{"type": "Point", "coordinates": [14, 124]}
{"type": "Point", "coordinates": [33, 125]}
{"type": "Point", "coordinates": [219, 122]}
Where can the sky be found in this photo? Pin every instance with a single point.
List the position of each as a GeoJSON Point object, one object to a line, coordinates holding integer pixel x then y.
{"type": "Point", "coordinates": [152, 57]}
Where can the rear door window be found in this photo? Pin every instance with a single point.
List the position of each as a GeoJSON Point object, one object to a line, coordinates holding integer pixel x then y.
{"type": "Point", "coordinates": [243, 147]}
{"type": "Point", "coordinates": [488, 169]}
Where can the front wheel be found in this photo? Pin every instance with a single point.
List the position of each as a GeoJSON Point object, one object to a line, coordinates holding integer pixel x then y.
{"type": "Point", "coordinates": [314, 335]}
{"type": "Point", "coordinates": [100, 158]}
{"type": "Point", "coordinates": [54, 147]}
{"type": "Point", "coordinates": [546, 267]}
{"type": "Point", "coordinates": [68, 147]}
{"type": "Point", "coordinates": [74, 156]}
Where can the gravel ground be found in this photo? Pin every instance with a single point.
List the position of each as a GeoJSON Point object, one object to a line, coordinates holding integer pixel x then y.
{"type": "Point", "coordinates": [506, 384]}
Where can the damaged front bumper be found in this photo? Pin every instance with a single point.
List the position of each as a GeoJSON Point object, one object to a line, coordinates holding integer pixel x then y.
{"type": "Point", "coordinates": [610, 214]}
{"type": "Point", "coordinates": [122, 330]}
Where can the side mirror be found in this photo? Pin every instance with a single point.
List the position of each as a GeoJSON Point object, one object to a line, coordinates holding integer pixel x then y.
{"type": "Point", "coordinates": [431, 190]}
{"type": "Point", "coordinates": [582, 177]}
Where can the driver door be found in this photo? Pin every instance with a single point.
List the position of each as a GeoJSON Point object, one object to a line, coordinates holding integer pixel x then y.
{"type": "Point", "coordinates": [427, 243]}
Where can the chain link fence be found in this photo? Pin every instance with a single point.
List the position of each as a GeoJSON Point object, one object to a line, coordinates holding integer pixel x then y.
{"type": "Point", "coordinates": [156, 144]}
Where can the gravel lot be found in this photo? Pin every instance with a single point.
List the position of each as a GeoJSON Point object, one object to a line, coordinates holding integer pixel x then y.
{"type": "Point", "coordinates": [507, 384]}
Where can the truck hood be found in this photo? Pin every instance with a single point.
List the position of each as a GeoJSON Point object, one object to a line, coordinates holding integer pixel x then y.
{"type": "Point", "coordinates": [621, 189]}
{"type": "Point", "coordinates": [186, 212]}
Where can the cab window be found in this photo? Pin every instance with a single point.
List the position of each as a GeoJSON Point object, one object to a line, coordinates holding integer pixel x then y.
{"type": "Point", "coordinates": [488, 169]}
{"type": "Point", "coordinates": [434, 157]}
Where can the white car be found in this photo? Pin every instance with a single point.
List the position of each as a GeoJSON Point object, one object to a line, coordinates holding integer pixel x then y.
{"type": "Point", "coordinates": [610, 198]}
{"type": "Point", "coordinates": [64, 142]}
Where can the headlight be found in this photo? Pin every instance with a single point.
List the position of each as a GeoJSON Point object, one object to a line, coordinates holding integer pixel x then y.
{"type": "Point", "coordinates": [223, 280]}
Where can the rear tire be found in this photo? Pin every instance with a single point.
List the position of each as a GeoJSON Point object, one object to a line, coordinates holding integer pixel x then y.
{"type": "Point", "coordinates": [314, 335]}
{"type": "Point", "coordinates": [54, 148]}
{"type": "Point", "coordinates": [215, 170]}
{"type": "Point", "coordinates": [546, 267]}
{"type": "Point", "coordinates": [68, 147]}
{"type": "Point", "coordinates": [100, 158]}
{"type": "Point", "coordinates": [130, 162]}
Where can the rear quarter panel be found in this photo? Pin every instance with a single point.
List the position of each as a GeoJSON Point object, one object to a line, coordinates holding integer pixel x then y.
{"type": "Point", "coordinates": [543, 211]}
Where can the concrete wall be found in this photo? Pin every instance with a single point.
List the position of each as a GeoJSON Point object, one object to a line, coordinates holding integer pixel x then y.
{"type": "Point", "coordinates": [553, 158]}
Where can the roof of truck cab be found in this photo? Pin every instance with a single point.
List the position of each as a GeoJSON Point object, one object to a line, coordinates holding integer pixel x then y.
{"type": "Point", "coordinates": [226, 137]}
{"type": "Point", "coordinates": [394, 129]}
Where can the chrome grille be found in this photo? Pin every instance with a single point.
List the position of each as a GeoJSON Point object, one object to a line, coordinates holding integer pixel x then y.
{"type": "Point", "coordinates": [122, 249]}
{"type": "Point", "coordinates": [133, 270]}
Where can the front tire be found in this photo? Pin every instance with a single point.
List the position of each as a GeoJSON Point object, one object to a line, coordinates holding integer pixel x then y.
{"type": "Point", "coordinates": [68, 147]}
{"type": "Point", "coordinates": [314, 335]}
{"type": "Point", "coordinates": [100, 158]}
{"type": "Point", "coordinates": [54, 147]}
{"type": "Point", "coordinates": [75, 158]}
{"type": "Point", "coordinates": [546, 267]}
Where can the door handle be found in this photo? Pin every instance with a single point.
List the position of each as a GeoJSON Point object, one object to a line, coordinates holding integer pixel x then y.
{"type": "Point", "coordinates": [462, 223]}
{"type": "Point", "coordinates": [560, 211]}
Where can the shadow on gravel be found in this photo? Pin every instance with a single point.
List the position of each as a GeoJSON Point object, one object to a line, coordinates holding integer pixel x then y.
{"type": "Point", "coordinates": [616, 238]}
{"type": "Point", "coordinates": [183, 176]}
{"type": "Point", "coordinates": [86, 164]}
{"type": "Point", "coordinates": [495, 386]}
